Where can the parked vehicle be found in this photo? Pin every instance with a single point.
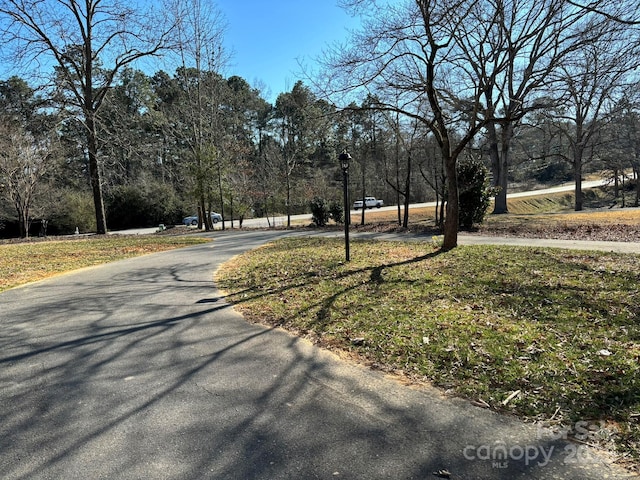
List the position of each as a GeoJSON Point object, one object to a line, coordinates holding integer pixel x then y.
{"type": "Point", "coordinates": [193, 219]}
{"type": "Point", "coordinates": [370, 202]}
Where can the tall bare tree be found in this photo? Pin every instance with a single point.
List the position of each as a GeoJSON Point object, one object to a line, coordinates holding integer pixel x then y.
{"type": "Point", "coordinates": [593, 79]}
{"type": "Point", "coordinates": [399, 166]}
{"type": "Point", "coordinates": [534, 40]}
{"type": "Point", "coordinates": [410, 57]}
{"type": "Point", "coordinates": [24, 162]}
{"type": "Point", "coordinates": [89, 42]}
{"type": "Point", "coordinates": [200, 29]}
{"type": "Point", "coordinates": [523, 43]}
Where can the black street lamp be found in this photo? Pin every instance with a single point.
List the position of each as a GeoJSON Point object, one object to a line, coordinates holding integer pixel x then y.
{"type": "Point", "coordinates": [344, 158]}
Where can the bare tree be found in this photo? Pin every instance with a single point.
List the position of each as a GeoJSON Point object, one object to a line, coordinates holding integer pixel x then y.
{"type": "Point", "coordinates": [89, 42]}
{"type": "Point", "coordinates": [593, 81]}
{"type": "Point", "coordinates": [410, 55]}
{"type": "Point", "coordinates": [398, 173]}
{"type": "Point", "coordinates": [200, 28]}
{"type": "Point", "coordinates": [361, 134]}
{"type": "Point", "coordinates": [524, 42]}
{"type": "Point", "coordinates": [527, 41]}
{"type": "Point", "coordinates": [24, 162]}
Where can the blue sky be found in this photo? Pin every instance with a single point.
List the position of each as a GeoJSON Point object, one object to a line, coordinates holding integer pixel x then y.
{"type": "Point", "coordinates": [266, 37]}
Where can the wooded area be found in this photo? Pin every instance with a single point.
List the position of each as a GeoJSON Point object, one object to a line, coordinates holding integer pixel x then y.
{"type": "Point", "coordinates": [539, 91]}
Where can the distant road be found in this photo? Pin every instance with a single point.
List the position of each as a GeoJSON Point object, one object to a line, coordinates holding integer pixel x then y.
{"type": "Point", "coordinates": [281, 221]}
{"type": "Point", "coordinates": [567, 187]}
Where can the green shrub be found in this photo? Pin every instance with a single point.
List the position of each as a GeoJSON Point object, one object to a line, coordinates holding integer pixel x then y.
{"type": "Point", "coordinates": [126, 207]}
{"type": "Point", "coordinates": [336, 212]}
{"type": "Point", "coordinates": [131, 206]}
{"type": "Point", "coordinates": [163, 205]}
{"type": "Point", "coordinates": [73, 209]}
{"type": "Point", "coordinates": [319, 211]}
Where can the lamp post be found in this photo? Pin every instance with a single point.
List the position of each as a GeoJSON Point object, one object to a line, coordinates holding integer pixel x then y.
{"type": "Point", "coordinates": [344, 158]}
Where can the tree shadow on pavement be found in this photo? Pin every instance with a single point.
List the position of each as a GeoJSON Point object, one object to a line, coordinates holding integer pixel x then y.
{"type": "Point", "coordinates": [138, 374]}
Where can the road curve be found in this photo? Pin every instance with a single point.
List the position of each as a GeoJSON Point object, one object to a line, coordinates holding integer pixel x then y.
{"type": "Point", "coordinates": [139, 369]}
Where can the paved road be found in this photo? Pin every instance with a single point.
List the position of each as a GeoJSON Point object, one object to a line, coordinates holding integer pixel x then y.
{"type": "Point", "coordinates": [471, 239]}
{"type": "Point", "coordinates": [140, 370]}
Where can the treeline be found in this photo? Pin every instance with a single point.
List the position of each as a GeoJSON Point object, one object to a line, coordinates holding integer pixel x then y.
{"type": "Point", "coordinates": [166, 152]}
{"type": "Point", "coordinates": [536, 91]}
{"type": "Point", "coordinates": [172, 145]}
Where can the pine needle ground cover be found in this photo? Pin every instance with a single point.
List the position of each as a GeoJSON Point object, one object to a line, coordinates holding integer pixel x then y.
{"type": "Point", "coordinates": [26, 262]}
{"type": "Point", "coordinates": [550, 335]}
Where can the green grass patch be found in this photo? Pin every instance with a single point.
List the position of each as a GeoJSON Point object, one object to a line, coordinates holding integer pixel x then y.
{"type": "Point", "coordinates": [26, 262]}
{"type": "Point", "coordinates": [543, 333]}
{"type": "Point", "coordinates": [598, 197]}
{"type": "Point", "coordinates": [550, 203]}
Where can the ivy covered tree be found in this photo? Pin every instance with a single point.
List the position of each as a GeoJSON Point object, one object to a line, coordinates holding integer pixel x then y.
{"type": "Point", "coordinates": [475, 192]}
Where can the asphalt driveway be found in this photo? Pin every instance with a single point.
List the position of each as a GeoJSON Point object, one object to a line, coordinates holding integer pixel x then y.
{"type": "Point", "coordinates": [139, 369]}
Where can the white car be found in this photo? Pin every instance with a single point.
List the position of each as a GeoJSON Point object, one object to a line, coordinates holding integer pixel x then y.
{"type": "Point", "coordinates": [193, 219]}
{"type": "Point", "coordinates": [370, 202]}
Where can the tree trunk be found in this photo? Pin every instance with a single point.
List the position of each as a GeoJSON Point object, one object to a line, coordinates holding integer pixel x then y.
{"type": "Point", "coordinates": [364, 194]}
{"type": "Point", "coordinates": [397, 183]}
{"type": "Point", "coordinates": [436, 176]}
{"type": "Point", "coordinates": [437, 218]}
{"type": "Point", "coordinates": [500, 202]}
{"type": "Point", "coordinates": [407, 194]}
{"type": "Point", "coordinates": [24, 222]}
{"type": "Point", "coordinates": [577, 173]}
{"type": "Point", "coordinates": [499, 155]}
{"type": "Point", "coordinates": [95, 176]}
{"type": "Point", "coordinates": [503, 179]}
{"type": "Point", "coordinates": [405, 218]}
{"type": "Point", "coordinates": [288, 199]}
{"type": "Point", "coordinates": [452, 216]}
{"type": "Point", "coordinates": [92, 137]}
{"type": "Point", "coordinates": [221, 194]}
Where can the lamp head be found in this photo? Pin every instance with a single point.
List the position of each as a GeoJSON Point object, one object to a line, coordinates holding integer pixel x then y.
{"type": "Point", "coordinates": [344, 158]}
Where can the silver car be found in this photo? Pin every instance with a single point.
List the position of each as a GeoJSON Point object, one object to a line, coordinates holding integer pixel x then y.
{"type": "Point", "coordinates": [193, 219]}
